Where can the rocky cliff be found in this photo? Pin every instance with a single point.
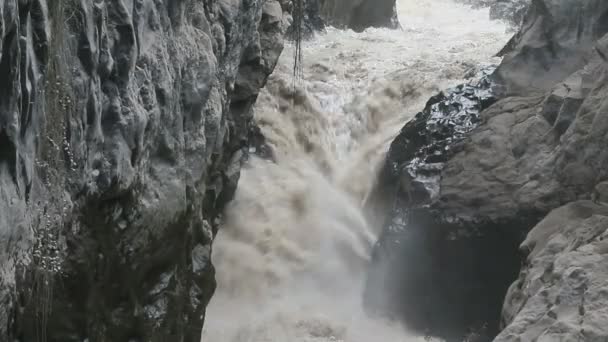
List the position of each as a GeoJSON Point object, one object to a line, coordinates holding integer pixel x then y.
{"type": "Point", "coordinates": [460, 200]}
{"type": "Point", "coordinates": [123, 125]}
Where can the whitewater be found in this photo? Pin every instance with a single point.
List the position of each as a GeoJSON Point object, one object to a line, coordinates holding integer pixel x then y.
{"type": "Point", "coordinates": [292, 253]}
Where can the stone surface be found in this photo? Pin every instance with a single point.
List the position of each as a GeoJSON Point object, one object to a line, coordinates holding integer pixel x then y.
{"type": "Point", "coordinates": [561, 293]}
{"type": "Point", "coordinates": [415, 273]}
{"type": "Point", "coordinates": [556, 39]}
{"type": "Point", "coordinates": [123, 125]}
{"type": "Point", "coordinates": [541, 146]}
{"type": "Point", "coordinates": [360, 14]}
{"type": "Point", "coordinates": [511, 11]}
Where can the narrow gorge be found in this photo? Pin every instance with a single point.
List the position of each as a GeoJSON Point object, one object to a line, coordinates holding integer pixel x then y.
{"type": "Point", "coordinates": [303, 170]}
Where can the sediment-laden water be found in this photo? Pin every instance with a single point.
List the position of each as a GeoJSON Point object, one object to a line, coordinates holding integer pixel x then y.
{"type": "Point", "coordinates": [292, 254]}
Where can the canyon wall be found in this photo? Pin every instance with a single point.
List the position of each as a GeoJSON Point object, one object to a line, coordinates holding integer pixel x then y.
{"type": "Point", "coordinates": [359, 14]}
{"type": "Point", "coordinates": [123, 126]}
{"type": "Point", "coordinates": [460, 199]}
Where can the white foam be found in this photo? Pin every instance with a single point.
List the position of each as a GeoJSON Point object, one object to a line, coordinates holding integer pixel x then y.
{"type": "Point", "coordinates": [291, 256]}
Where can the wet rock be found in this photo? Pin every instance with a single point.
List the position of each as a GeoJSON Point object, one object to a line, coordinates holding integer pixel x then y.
{"type": "Point", "coordinates": [556, 39]}
{"type": "Point", "coordinates": [540, 146]}
{"type": "Point", "coordinates": [308, 18]}
{"type": "Point", "coordinates": [356, 15]}
{"type": "Point", "coordinates": [418, 155]}
{"type": "Point", "coordinates": [560, 293]}
{"type": "Point", "coordinates": [123, 125]}
{"type": "Point", "coordinates": [258, 144]}
{"type": "Point", "coordinates": [360, 14]}
{"type": "Point", "coordinates": [416, 258]}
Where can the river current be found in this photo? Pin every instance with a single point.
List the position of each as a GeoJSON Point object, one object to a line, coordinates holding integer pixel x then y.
{"type": "Point", "coordinates": [292, 254]}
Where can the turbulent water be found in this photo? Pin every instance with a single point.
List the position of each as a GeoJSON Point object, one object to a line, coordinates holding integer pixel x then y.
{"type": "Point", "coordinates": [292, 254]}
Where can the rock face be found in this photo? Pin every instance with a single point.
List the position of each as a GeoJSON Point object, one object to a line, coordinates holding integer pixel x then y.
{"type": "Point", "coordinates": [359, 14]}
{"type": "Point", "coordinates": [123, 125]}
{"type": "Point", "coordinates": [416, 255]}
{"type": "Point", "coordinates": [556, 39]}
{"type": "Point", "coordinates": [306, 19]}
{"type": "Point", "coordinates": [541, 146]}
{"type": "Point", "coordinates": [561, 292]}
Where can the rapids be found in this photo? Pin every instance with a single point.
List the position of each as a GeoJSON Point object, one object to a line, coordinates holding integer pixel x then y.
{"type": "Point", "coordinates": [292, 253]}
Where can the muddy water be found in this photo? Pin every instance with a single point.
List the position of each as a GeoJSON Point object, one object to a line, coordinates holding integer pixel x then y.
{"type": "Point", "coordinates": [292, 254]}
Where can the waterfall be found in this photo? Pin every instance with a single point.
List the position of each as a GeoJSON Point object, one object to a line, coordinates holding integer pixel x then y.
{"type": "Point", "coordinates": [292, 254]}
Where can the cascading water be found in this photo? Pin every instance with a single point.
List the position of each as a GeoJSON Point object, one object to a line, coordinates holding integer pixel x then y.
{"type": "Point", "coordinates": [292, 254]}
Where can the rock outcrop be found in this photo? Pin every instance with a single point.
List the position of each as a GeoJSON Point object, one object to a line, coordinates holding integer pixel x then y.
{"type": "Point", "coordinates": [451, 250]}
{"type": "Point", "coordinates": [123, 125]}
{"type": "Point", "coordinates": [306, 17]}
{"type": "Point", "coordinates": [359, 14]}
{"type": "Point", "coordinates": [414, 274]}
{"type": "Point", "coordinates": [561, 293]}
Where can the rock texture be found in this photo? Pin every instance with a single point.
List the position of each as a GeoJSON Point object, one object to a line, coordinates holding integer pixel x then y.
{"type": "Point", "coordinates": [359, 14]}
{"type": "Point", "coordinates": [539, 147]}
{"type": "Point", "coordinates": [561, 294]}
{"type": "Point", "coordinates": [556, 39]}
{"type": "Point", "coordinates": [510, 10]}
{"type": "Point", "coordinates": [306, 19]}
{"type": "Point", "coordinates": [123, 125]}
{"type": "Point", "coordinates": [414, 274]}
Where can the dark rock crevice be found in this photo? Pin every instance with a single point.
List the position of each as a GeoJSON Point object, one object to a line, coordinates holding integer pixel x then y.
{"type": "Point", "coordinates": [451, 286]}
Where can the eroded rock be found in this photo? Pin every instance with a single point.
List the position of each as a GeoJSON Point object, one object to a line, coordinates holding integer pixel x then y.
{"type": "Point", "coordinates": [360, 14]}
{"type": "Point", "coordinates": [539, 147]}
{"type": "Point", "coordinates": [123, 125]}
{"type": "Point", "coordinates": [560, 294]}
{"type": "Point", "coordinates": [415, 275]}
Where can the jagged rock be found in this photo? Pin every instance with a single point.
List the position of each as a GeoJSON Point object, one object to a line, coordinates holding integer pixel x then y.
{"type": "Point", "coordinates": [445, 261]}
{"type": "Point", "coordinates": [601, 192]}
{"type": "Point", "coordinates": [561, 294]}
{"type": "Point", "coordinates": [556, 39]}
{"type": "Point", "coordinates": [356, 15]}
{"type": "Point", "coordinates": [123, 125]}
{"type": "Point", "coordinates": [258, 144]}
{"type": "Point", "coordinates": [413, 274]}
{"type": "Point", "coordinates": [309, 19]}
{"type": "Point", "coordinates": [510, 10]}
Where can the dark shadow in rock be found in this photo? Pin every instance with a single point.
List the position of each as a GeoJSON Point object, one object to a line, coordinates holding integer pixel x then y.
{"type": "Point", "coordinates": [440, 276]}
{"type": "Point", "coordinates": [445, 279]}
